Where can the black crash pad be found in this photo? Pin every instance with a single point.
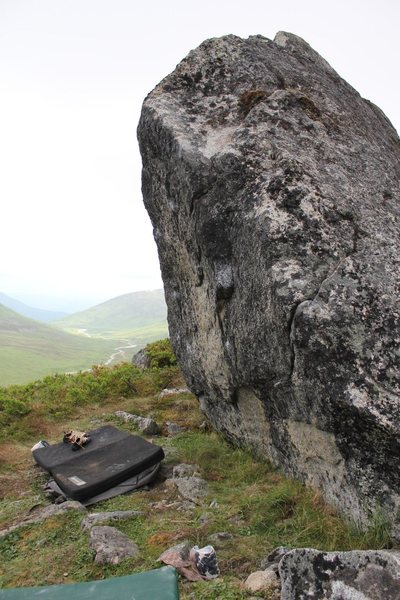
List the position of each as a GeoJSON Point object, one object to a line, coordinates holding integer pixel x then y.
{"type": "Point", "coordinates": [92, 473]}
{"type": "Point", "coordinates": [56, 454]}
{"type": "Point", "coordinates": [111, 459]}
{"type": "Point", "coordinates": [159, 584]}
{"type": "Point", "coordinates": [126, 486]}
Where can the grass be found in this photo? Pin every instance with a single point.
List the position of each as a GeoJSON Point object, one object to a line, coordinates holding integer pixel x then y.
{"type": "Point", "coordinates": [29, 349]}
{"type": "Point", "coordinates": [255, 503]}
{"type": "Point", "coordinates": [21, 365]}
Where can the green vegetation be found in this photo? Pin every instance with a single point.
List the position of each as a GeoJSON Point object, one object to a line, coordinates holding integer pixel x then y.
{"type": "Point", "coordinates": [29, 349]}
{"type": "Point", "coordinates": [258, 506]}
{"type": "Point", "coordinates": [28, 409]}
{"type": "Point", "coordinates": [106, 333]}
{"type": "Point", "coordinates": [161, 354]}
{"type": "Point", "coordinates": [139, 317]}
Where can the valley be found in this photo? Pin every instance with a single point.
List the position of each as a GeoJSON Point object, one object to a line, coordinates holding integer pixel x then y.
{"type": "Point", "coordinates": [107, 333]}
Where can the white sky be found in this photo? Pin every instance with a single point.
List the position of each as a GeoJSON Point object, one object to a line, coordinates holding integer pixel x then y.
{"type": "Point", "coordinates": [73, 75]}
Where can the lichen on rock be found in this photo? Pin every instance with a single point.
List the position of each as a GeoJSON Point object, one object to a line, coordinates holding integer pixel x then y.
{"type": "Point", "coordinates": [273, 189]}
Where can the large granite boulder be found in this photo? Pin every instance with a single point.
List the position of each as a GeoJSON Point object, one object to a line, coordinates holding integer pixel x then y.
{"type": "Point", "coordinates": [273, 189]}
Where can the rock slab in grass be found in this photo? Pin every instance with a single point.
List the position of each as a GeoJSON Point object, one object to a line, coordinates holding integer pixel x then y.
{"type": "Point", "coordinates": [116, 515]}
{"type": "Point", "coordinates": [370, 575]}
{"type": "Point", "coordinates": [111, 546]}
{"type": "Point", "coordinates": [45, 513]}
{"type": "Point", "coordinates": [274, 191]}
{"type": "Point", "coordinates": [146, 425]}
{"type": "Point", "coordinates": [165, 393]}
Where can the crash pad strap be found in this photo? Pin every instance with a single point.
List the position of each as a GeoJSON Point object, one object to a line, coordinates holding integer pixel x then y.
{"type": "Point", "coordinates": [159, 584]}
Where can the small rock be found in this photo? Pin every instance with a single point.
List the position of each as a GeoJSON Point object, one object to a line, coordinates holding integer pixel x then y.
{"type": "Point", "coordinates": [185, 470]}
{"type": "Point", "coordinates": [173, 392]}
{"type": "Point", "coordinates": [116, 515]}
{"type": "Point", "coordinates": [141, 359]}
{"type": "Point", "coordinates": [213, 504]}
{"type": "Point", "coordinates": [45, 513]}
{"type": "Point", "coordinates": [111, 546]}
{"type": "Point", "coordinates": [173, 428]}
{"type": "Point", "coordinates": [206, 562]}
{"type": "Point", "coordinates": [273, 567]}
{"type": "Point", "coordinates": [179, 552]}
{"type": "Point", "coordinates": [125, 416]}
{"type": "Point", "coordinates": [148, 426]}
{"type": "Point", "coordinates": [261, 581]}
{"type": "Point", "coordinates": [56, 509]}
{"type": "Point", "coordinates": [193, 489]}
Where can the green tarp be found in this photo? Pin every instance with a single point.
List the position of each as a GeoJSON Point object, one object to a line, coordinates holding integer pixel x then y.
{"type": "Point", "coordinates": [160, 584]}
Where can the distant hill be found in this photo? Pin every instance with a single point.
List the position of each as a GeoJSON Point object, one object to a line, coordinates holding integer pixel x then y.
{"type": "Point", "coordinates": [38, 314]}
{"type": "Point", "coordinates": [139, 316]}
{"type": "Point", "coordinates": [30, 350]}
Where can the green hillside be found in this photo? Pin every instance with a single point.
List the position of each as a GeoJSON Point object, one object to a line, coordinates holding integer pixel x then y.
{"type": "Point", "coordinates": [29, 349]}
{"type": "Point", "coordinates": [140, 317]}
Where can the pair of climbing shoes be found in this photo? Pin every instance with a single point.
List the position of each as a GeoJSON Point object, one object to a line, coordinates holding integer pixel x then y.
{"type": "Point", "coordinates": [77, 439]}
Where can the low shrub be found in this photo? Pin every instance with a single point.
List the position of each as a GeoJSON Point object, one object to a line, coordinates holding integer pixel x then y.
{"type": "Point", "coordinates": [57, 396]}
{"type": "Point", "coordinates": [161, 354]}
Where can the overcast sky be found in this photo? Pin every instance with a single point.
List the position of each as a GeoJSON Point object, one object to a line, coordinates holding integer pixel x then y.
{"type": "Point", "coordinates": [73, 75]}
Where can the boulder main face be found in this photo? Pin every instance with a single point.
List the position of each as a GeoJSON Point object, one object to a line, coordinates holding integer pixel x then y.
{"type": "Point", "coordinates": [273, 189]}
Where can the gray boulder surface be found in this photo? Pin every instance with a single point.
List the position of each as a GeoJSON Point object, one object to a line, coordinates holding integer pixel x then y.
{"type": "Point", "coordinates": [194, 489]}
{"type": "Point", "coordinates": [372, 575]}
{"type": "Point", "coordinates": [141, 360]}
{"type": "Point", "coordinates": [273, 190]}
{"type": "Point", "coordinates": [146, 425]}
{"type": "Point", "coordinates": [111, 546]}
{"type": "Point", "coordinates": [44, 513]}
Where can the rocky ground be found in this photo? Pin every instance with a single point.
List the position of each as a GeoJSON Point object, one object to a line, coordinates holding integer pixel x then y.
{"type": "Point", "coordinates": [207, 493]}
